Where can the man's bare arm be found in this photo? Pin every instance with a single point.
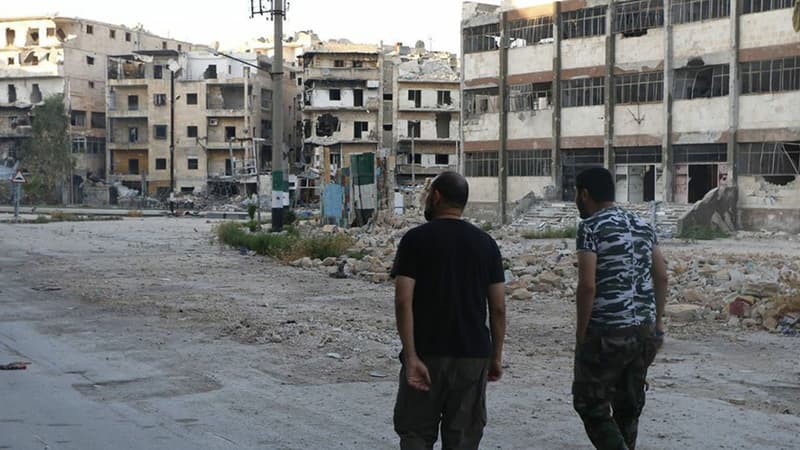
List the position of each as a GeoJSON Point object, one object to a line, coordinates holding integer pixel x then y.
{"type": "Point", "coordinates": [497, 323]}
{"type": "Point", "coordinates": [587, 270]}
{"type": "Point", "coordinates": [660, 285]}
{"type": "Point", "coordinates": [417, 374]}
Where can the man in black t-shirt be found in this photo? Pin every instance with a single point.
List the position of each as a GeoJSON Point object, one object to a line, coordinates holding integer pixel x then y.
{"type": "Point", "coordinates": [446, 271]}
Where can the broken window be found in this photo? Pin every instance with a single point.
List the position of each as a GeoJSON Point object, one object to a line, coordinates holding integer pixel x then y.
{"type": "Point", "coordinates": [91, 84]}
{"type": "Point", "coordinates": [79, 145]}
{"type": "Point", "coordinates": [358, 64]}
{"type": "Point", "coordinates": [112, 34]}
{"type": "Point", "coordinates": [442, 159]}
{"type": "Point", "coordinates": [127, 37]}
{"type": "Point", "coordinates": [481, 101]}
{"type": "Point", "coordinates": [388, 96]}
{"type": "Point", "coordinates": [266, 100]}
{"type": "Point", "coordinates": [414, 128]}
{"type": "Point", "coordinates": [98, 120]}
{"type": "Point", "coordinates": [78, 119]}
{"type": "Point", "coordinates": [133, 134]}
{"type": "Point", "coordinates": [700, 153]}
{"type": "Point", "coordinates": [755, 6]}
{"type": "Point", "coordinates": [443, 98]}
{"type": "Point", "coordinates": [159, 99]}
{"type": "Point", "coordinates": [191, 99]}
{"type": "Point", "coordinates": [133, 103]}
{"type": "Point", "coordinates": [90, 60]}
{"type": "Point", "coordinates": [338, 63]}
{"type": "Point", "coordinates": [191, 131]}
{"type": "Point", "coordinates": [89, 29]}
{"type": "Point", "coordinates": [480, 164]}
{"type": "Point", "coordinates": [33, 36]}
{"type": "Point", "coordinates": [160, 131]}
{"type": "Point", "coordinates": [769, 158]}
{"type": "Point", "coordinates": [334, 95]}
{"type": "Point", "coordinates": [327, 124]}
{"type": "Point", "coordinates": [158, 72]}
{"type": "Point", "coordinates": [61, 35]}
{"type": "Point", "coordinates": [36, 94]}
{"type": "Point", "coordinates": [387, 127]}
{"type": "Point", "coordinates": [482, 38]}
{"type": "Point", "coordinates": [530, 96]}
{"type": "Point", "coordinates": [358, 97]}
{"type": "Point", "coordinates": [443, 126]}
{"type": "Point", "coordinates": [12, 93]}
{"type": "Point", "coordinates": [685, 11]}
{"type": "Point", "coordinates": [534, 31]}
{"type": "Point", "coordinates": [133, 167]}
{"type": "Point", "coordinates": [96, 146]}
{"type": "Point", "coordinates": [359, 128]}
{"type": "Point", "coordinates": [230, 133]}
{"type": "Point", "coordinates": [416, 158]}
{"type": "Point", "coordinates": [583, 92]}
{"type": "Point", "coordinates": [642, 87]}
{"type": "Point", "coordinates": [11, 36]}
{"type": "Point", "coordinates": [180, 47]}
{"type": "Point", "coordinates": [210, 72]}
{"type": "Point", "coordinates": [699, 81]}
{"type": "Point", "coordinates": [11, 61]}
{"type": "Point", "coordinates": [163, 45]}
{"type": "Point", "coordinates": [634, 18]}
{"type": "Point", "coordinates": [161, 164]}
{"type": "Point", "coordinates": [584, 23]}
{"type": "Point", "coordinates": [415, 95]}
{"type": "Point", "coordinates": [529, 163]}
{"type": "Point", "coordinates": [192, 164]}
{"type": "Point", "coordinates": [777, 75]}
{"type": "Point", "coordinates": [32, 59]}
{"type": "Point", "coordinates": [637, 155]}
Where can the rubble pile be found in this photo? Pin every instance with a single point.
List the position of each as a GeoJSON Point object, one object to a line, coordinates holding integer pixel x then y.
{"type": "Point", "coordinates": [727, 290]}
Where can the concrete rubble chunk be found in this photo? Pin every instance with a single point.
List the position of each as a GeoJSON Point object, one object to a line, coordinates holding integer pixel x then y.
{"type": "Point", "coordinates": [684, 312]}
{"type": "Point", "coordinates": [521, 294]}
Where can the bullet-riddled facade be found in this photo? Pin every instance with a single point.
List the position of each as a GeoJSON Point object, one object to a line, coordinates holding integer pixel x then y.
{"type": "Point", "coordinates": [675, 97]}
{"type": "Point", "coordinates": [44, 56]}
{"type": "Point", "coordinates": [215, 111]}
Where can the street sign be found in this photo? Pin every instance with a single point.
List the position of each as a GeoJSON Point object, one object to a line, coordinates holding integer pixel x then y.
{"type": "Point", "coordinates": [18, 178]}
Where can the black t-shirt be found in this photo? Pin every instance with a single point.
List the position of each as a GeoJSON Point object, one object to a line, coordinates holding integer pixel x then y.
{"type": "Point", "coordinates": [453, 264]}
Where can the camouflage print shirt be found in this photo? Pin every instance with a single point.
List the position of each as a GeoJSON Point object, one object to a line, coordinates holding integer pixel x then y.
{"type": "Point", "coordinates": [624, 244]}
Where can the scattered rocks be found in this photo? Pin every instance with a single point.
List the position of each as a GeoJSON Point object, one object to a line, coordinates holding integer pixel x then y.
{"type": "Point", "coordinates": [684, 312]}
{"type": "Point", "coordinates": [522, 294]}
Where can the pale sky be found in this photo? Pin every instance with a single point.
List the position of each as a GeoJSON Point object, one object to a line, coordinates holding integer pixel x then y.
{"type": "Point", "coordinates": [228, 21]}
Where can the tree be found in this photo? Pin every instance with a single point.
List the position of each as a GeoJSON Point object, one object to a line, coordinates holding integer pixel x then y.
{"type": "Point", "coordinates": [46, 154]}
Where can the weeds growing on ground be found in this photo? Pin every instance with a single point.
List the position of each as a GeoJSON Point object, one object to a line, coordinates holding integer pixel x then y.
{"type": "Point", "coordinates": [287, 246]}
{"type": "Point", "coordinates": [700, 233]}
{"type": "Point", "coordinates": [552, 233]}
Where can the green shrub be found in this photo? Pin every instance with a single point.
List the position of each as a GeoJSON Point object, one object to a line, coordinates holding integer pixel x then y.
{"type": "Point", "coordinates": [286, 246]}
{"type": "Point", "coordinates": [701, 233]}
{"type": "Point", "coordinates": [487, 226]}
{"type": "Point", "coordinates": [251, 211]}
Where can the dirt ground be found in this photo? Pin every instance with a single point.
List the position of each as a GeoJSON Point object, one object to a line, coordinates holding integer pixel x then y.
{"type": "Point", "coordinates": [279, 357]}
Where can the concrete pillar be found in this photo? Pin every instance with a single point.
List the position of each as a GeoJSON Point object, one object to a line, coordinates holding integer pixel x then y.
{"type": "Point", "coordinates": [666, 139]}
{"type": "Point", "coordinates": [608, 141]}
{"type": "Point", "coordinates": [502, 157]}
{"type": "Point", "coordinates": [733, 91]}
{"type": "Point", "coordinates": [556, 89]}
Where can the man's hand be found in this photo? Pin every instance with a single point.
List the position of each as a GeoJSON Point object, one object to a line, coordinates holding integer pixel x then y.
{"type": "Point", "coordinates": [417, 375]}
{"type": "Point", "coordinates": [495, 370]}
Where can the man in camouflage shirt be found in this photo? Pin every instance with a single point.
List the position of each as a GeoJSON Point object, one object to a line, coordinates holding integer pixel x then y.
{"type": "Point", "coordinates": [622, 285]}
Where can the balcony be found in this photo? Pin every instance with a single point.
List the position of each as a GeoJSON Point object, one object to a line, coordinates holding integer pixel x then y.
{"type": "Point", "coordinates": [125, 113]}
{"type": "Point", "coordinates": [345, 73]}
{"type": "Point", "coordinates": [420, 170]}
{"type": "Point", "coordinates": [141, 144]}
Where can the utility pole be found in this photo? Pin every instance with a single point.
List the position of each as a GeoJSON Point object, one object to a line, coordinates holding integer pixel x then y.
{"type": "Point", "coordinates": [280, 176]}
{"type": "Point", "coordinates": [413, 162]}
{"type": "Point", "coordinates": [171, 131]}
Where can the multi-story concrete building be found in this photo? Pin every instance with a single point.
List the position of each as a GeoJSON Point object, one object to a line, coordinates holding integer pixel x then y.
{"type": "Point", "coordinates": [342, 108]}
{"type": "Point", "coordinates": [194, 121]}
{"type": "Point", "coordinates": [675, 97]}
{"type": "Point", "coordinates": [425, 117]}
{"type": "Point", "coordinates": [43, 56]}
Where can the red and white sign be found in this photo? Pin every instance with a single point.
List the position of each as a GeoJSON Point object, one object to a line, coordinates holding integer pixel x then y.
{"type": "Point", "coordinates": [18, 178]}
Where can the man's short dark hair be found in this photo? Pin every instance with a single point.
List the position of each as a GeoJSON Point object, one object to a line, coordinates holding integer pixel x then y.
{"type": "Point", "coordinates": [453, 188]}
{"type": "Point", "coordinates": [599, 182]}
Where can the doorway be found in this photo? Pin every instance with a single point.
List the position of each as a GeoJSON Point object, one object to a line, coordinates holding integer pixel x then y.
{"type": "Point", "coordinates": [702, 178]}
{"type": "Point", "coordinates": [650, 184]}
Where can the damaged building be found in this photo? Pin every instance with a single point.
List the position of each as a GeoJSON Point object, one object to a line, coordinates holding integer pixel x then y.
{"type": "Point", "coordinates": [193, 122]}
{"type": "Point", "coordinates": [342, 106]}
{"type": "Point", "coordinates": [676, 98]}
{"type": "Point", "coordinates": [424, 119]}
{"type": "Point", "coordinates": [44, 56]}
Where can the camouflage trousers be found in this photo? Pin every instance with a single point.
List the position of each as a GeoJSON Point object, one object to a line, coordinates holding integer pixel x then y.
{"type": "Point", "coordinates": [609, 387]}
